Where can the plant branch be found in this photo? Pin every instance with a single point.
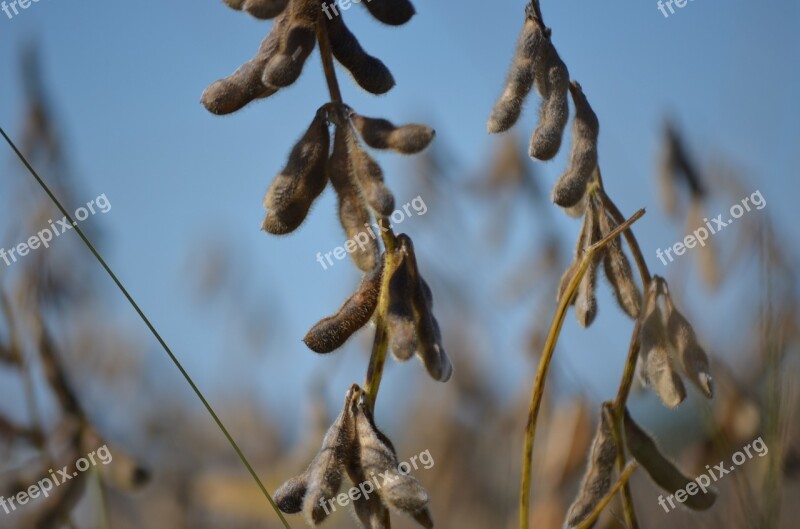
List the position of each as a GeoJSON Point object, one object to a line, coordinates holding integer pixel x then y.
{"type": "Point", "coordinates": [624, 476]}
{"type": "Point", "coordinates": [327, 61]}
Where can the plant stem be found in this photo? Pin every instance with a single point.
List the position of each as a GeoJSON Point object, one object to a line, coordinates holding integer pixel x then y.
{"type": "Point", "coordinates": [544, 363]}
{"type": "Point", "coordinates": [327, 61]}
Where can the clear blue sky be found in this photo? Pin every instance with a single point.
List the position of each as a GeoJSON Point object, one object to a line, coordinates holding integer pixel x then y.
{"type": "Point", "coordinates": [126, 79]}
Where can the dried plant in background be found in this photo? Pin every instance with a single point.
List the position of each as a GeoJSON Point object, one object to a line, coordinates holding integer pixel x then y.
{"type": "Point", "coordinates": [392, 292]}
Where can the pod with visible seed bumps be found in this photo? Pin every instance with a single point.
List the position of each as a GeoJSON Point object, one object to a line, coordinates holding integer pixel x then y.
{"type": "Point", "coordinates": [692, 358]}
{"type": "Point", "coordinates": [571, 186]}
{"type": "Point", "coordinates": [369, 72]}
{"type": "Point", "coordinates": [369, 175]}
{"type": "Point", "coordinates": [552, 83]}
{"type": "Point", "coordinates": [644, 449]}
{"type": "Point", "coordinates": [597, 480]}
{"type": "Point", "coordinates": [245, 85]}
{"type": "Point", "coordinates": [302, 180]}
{"type": "Point", "coordinates": [618, 271]}
{"type": "Point", "coordinates": [297, 43]}
{"type": "Point", "coordinates": [353, 213]}
{"type": "Point", "coordinates": [520, 77]}
{"type": "Point", "coordinates": [289, 496]}
{"type": "Point", "coordinates": [586, 296]}
{"type": "Point", "coordinates": [331, 332]}
{"type": "Point", "coordinates": [382, 134]}
{"type": "Point", "coordinates": [400, 318]}
{"type": "Point", "coordinates": [391, 12]}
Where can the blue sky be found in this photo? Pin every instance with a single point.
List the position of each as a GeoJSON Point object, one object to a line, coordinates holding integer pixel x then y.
{"type": "Point", "coordinates": [125, 79]}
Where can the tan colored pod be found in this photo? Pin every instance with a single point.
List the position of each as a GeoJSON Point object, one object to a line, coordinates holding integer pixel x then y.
{"type": "Point", "coordinates": [369, 176]}
{"type": "Point", "coordinates": [332, 332]}
{"type": "Point", "coordinates": [353, 212]}
{"type": "Point", "coordinates": [586, 296]}
{"type": "Point", "coordinates": [263, 9]}
{"type": "Point", "coordinates": [289, 496]}
{"type": "Point", "coordinates": [296, 44]}
{"type": "Point", "coordinates": [520, 77]}
{"type": "Point", "coordinates": [552, 83]}
{"type": "Point", "coordinates": [571, 185]}
{"type": "Point", "coordinates": [597, 480]}
{"type": "Point", "coordinates": [619, 272]}
{"type": "Point", "coordinates": [369, 72]}
{"type": "Point", "coordinates": [645, 450]}
{"type": "Point", "coordinates": [383, 134]}
{"type": "Point", "coordinates": [245, 85]}
{"type": "Point", "coordinates": [301, 181]}
{"type": "Point", "coordinates": [692, 357]}
{"type": "Point", "coordinates": [391, 12]}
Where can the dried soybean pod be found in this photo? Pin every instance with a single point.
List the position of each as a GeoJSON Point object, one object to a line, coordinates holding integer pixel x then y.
{"type": "Point", "coordinates": [296, 44]}
{"type": "Point", "coordinates": [586, 296]}
{"type": "Point", "coordinates": [235, 4]}
{"type": "Point", "coordinates": [391, 12]}
{"type": "Point", "coordinates": [383, 134]}
{"type": "Point", "coordinates": [301, 181]}
{"type": "Point", "coordinates": [691, 356]}
{"type": "Point", "coordinates": [369, 175]}
{"type": "Point", "coordinates": [597, 480]}
{"type": "Point", "coordinates": [552, 83]}
{"type": "Point", "coordinates": [520, 77]}
{"type": "Point", "coordinates": [331, 332]}
{"type": "Point", "coordinates": [644, 449]}
{"type": "Point", "coordinates": [571, 186]}
{"type": "Point", "coordinates": [289, 496]}
{"type": "Point", "coordinates": [263, 9]}
{"type": "Point", "coordinates": [353, 213]}
{"type": "Point", "coordinates": [618, 271]}
{"type": "Point", "coordinates": [371, 512]}
{"type": "Point", "coordinates": [369, 72]}
{"type": "Point", "coordinates": [400, 318]}
{"type": "Point", "coordinates": [244, 85]}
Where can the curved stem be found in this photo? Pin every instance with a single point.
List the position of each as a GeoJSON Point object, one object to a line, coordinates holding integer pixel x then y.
{"type": "Point", "coordinates": [327, 61]}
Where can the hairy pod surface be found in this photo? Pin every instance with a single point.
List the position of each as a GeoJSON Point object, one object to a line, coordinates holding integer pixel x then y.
{"type": "Point", "coordinates": [263, 9]}
{"type": "Point", "coordinates": [400, 318]}
{"type": "Point", "coordinates": [552, 82]}
{"type": "Point", "coordinates": [369, 72]}
{"type": "Point", "coordinates": [296, 44]}
{"type": "Point", "coordinates": [645, 450]}
{"type": "Point", "coordinates": [586, 295]}
{"type": "Point", "coordinates": [383, 134]}
{"type": "Point", "coordinates": [571, 185]}
{"type": "Point", "coordinates": [690, 354]}
{"type": "Point", "coordinates": [619, 272]}
{"type": "Point", "coordinates": [597, 480]}
{"type": "Point", "coordinates": [369, 176]}
{"type": "Point", "coordinates": [391, 12]}
{"type": "Point", "coordinates": [332, 332]}
{"type": "Point", "coordinates": [289, 496]}
{"type": "Point", "coordinates": [519, 80]}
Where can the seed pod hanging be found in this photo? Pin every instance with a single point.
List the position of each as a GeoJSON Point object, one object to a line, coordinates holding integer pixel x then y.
{"type": "Point", "coordinates": [369, 176]}
{"type": "Point", "coordinates": [552, 83]}
{"type": "Point", "coordinates": [369, 72]}
{"type": "Point", "coordinates": [296, 44]}
{"type": "Point", "coordinates": [391, 12]}
{"type": "Point", "coordinates": [382, 134]}
{"type": "Point", "coordinates": [618, 270]}
{"type": "Point", "coordinates": [263, 9]}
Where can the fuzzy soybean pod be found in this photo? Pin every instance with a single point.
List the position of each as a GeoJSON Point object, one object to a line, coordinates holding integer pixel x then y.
{"type": "Point", "coordinates": [377, 458]}
{"type": "Point", "coordinates": [353, 212]}
{"type": "Point", "coordinates": [571, 186]}
{"type": "Point", "coordinates": [245, 85]}
{"type": "Point", "coordinates": [645, 450]}
{"type": "Point", "coordinates": [300, 182]}
{"type": "Point", "coordinates": [289, 496]}
{"type": "Point", "coordinates": [296, 44]}
{"type": "Point", "coordinates": [383, 134]}
{"type": "Point", "coordinates": [391, 12]}
{"type": "Point", "coordinates": [369, 175]}
{"type": "Point", "coordinates": [692, 357]}
{"type": "Point", "coordinates": [597, 480]}
{"type": "Point", "coordinates": [618, 271]}
{"type": "Point", "coordinates": [400, 319]}
{"type": "Point", "coordinates": [369, 72]}
{"type": "Point", "coordinates": [586, 296]}
{"type": "Point", "coordinates": [263, 9]}
{"type": "Point", "coordinates": [520, 77]}
{"type": "Point", "coordinates": [332, 332]}
{"type": "Point", "coordinates": [552, 83]}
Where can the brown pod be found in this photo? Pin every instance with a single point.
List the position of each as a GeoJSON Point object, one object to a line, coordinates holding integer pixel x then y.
{"type": "Point", "coordinates": [645, 450]}
{"type": "Point", "coordinates": [371, 512]}
{"type": "Point", "coordinates": [571, 186]}
{"type": "Point", "coordinates": [353, 213]}
{"type": "Point", "coordinates": [296, 44]}
{"type": "Point", "coordinates": [520, 77]}
{"type": "Point", "coordinates": [235, 4]}
{"type": "Point", "coordinates": [301, 181]}
{"type": "Point", "coordinates": [331, 332]}
{"type": "Point", "coordinates": [263, 9]}
{"type": "Point", "coordinates": [586, 296]}
{"type": "Point", "coordinates": [552, 83]}
{"type": "Point", "coordinates": [691, 356]}
{"type": "Point", "coordinates": [289, 496]}
{"type": "Point", "coordinates": [391, 12]}
{"type": "Point", "coordinates": [369, 175]}
{"type": "Point", "coordinates": [597, 480]}
{"type": "Point", "coordinates": [400, 318]}
{"type": "Point", "coordinates": [369, 72]}
{"type": "Point", "coordinates": [618, 271]}
{"type": "Point", "coordinates": [382, 134]}
{"type": "Point", "coordinates": [245, 85]}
